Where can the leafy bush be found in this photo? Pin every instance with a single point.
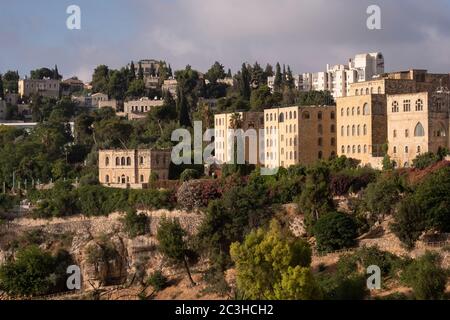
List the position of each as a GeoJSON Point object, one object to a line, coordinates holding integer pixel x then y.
{"type": "Point", "coordinates": [426, 277]}
{"type": "Point", "coordinates": [197, 194]}
{"type": "Point", "coordinates": [157, 280]}
{"type": "Point", "coordinates": [34, 272]}
{"type": "Point", "coordinates": [189, 174]}
{"type": "Point", "coordinates": [135, 224]}
{"type": "Point", "coordinates": [425, 160]}
{"type": "Point", "coordinates": [335, 231]}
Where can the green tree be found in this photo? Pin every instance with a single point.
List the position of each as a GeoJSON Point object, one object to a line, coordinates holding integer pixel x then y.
{"type": "Point", "coordinates": [335, 231]}
{"type": "Point", "coordinates": [140, 72]}
{"type": "Point", "coordinates": [136, 89]}
{"type": "Point", "coordinates": [100, 79]}
{"type": "Point", "coordinates": [216, 72]}
{"type": "Point", "coordinates": [426, 277]}
{"type": "Point", "coordinates": [278, 82]}
{"type": "Point", "coordinates": [172, 243]}
{"type": "Point", "coordinates": [2, 91]}
{"type": "Point", "coordinates": [244, 80]}
{"type": "Point", "coordinates": [135, 224]}
{"type": "Point", "coordinates": [271, 264]}
{"type": "Point", "coordinates": [132, 72]}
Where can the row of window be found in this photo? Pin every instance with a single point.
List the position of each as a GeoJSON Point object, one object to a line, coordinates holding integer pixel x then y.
{"type": "Point", "coordinates": [407, 106]}
{"type": "Point", "coordinates": [126, 161]}
{"type": "Point", "coordinates": [354, 149]}
{"type": "Point", "coordinates": [306, 115]}
{"type": "Point", "coordinates": [140, 108]}
{"type": "Point", "coordinates": [367, 91]}
{"type": "Point", "coordinates": [418, 150]}
{"type": "Point", "coordinates": [355, 130]}
{"type": "Point", "coordinates": [357, 111]}
{"type": "Point", "coordinates": [126, 179]}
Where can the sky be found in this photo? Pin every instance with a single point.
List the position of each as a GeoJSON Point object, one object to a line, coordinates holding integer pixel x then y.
{"type": "Point", "coordinates": [305, 34]}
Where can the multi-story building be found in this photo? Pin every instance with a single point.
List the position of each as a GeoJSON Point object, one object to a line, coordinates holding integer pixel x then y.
{"type": "Point", "coordinates": [417, 123]}
{"type": "Point", "coordinates": [299, 135]}
{"type": "Point", "coordinates": [362, 128]}
{"type": "Point", "coordinates": [137, 109]}
{"type": "Point", "coordinates": [45, 87]}
{"type": "Point", "coordinates": [132, 168]}
{"type": "Point", "coordinates": [71, 85]}
{"type": "Point", "coordinates": [225, 143]}
{"type": "Point", "coordinates": [362, 116]}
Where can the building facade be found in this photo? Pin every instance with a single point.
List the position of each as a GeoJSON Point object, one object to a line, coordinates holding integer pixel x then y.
{"type": "Point", "coordinates": [299, 135]}
{"type": "Point", "coordinates": [224, 146]}
{"type": "Point", "coordinates": [132, 168]}
{"type": "Point", "coordinates": [417, 123]}
{"type": "Point", "coordinates": [45, 87]}
{"type": "Point", "coordinates": [137, 109]}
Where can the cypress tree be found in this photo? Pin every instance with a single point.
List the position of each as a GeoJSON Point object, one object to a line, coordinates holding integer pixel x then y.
{"type": "Point", "coordinates": [245, 82]}
{"type": "Point", "coordinates": [132, 71]}
{"type": "Point", "coordinates": [140, 72]}
{"type": "Point", "coordinates": [183, 107]}
{"type": "Point", "coordinates": [229, 75]}
{"type": "Point", "coordinates": [2, 95]}
{"type": "Point", "coordinates": [278, 83]}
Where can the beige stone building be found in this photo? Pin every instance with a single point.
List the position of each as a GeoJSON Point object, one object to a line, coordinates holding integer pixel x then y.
{"type": "Point", "coordinates": [247, 121]}
{"type": "Point", "coordinates": [113, 104]}
{"type": "Point", "coordinates": [132, 168]}
{"type": "Point", "coordinates": [362, 128]}
{"type": "Point", "coordinates": [299, 135]}
{"type": "Point", "coordinates": [45, 87]}
{"type": "Point", "coordinates": [137, 109]}
{"type": "Point", "coordinates": [417, 123]}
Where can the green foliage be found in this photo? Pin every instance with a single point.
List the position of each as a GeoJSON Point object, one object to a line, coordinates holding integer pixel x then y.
{"type": "Point", "coordinates": [426, 277]}
{"type": "Point", "coordinates": [216, 72]}
{"type": "Point", "coordinates": [428, 208]}
{"type": "Point", "coordinates": [316, 199]}
{"type": "Point", "coordinates": [315, 98]}
{"type": "Point", "coordinates": [335, 231]}
{"type": "Point", "coordinates": [189, 174]}
{"type": "Point", "coordinates": [262, 98]}
{"type": "Point", "coordinates": [34, 272]}
{"type": "Point", "coordinates": [425, 160]}
{"type": "Point", "coordinates": [157, 280]}
{"type": "Point", "coordinates": [135, 224]}
{"type": "Point", "coordinates": [272, 265]}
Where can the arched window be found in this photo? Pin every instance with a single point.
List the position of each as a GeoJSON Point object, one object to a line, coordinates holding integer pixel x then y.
{"type": "Point", "coordinates": [117, 161]}
{"type": "Point", "coordinates": [107, 161]}
{"type": "Point", "coordinates": [367, 91]}
{"type": "Point", "coordinates": [353, 130]}
{"type": "Point", "coordinates": [128, 161]}
{"type": "Point", "coordinates": [354, 149]}
{"type": "Point", "coordinates": [348, 112]}
{"type": "Point", "coordinates": [353, 111]}
{"type": "Point", "coordinates": [418, 149]}
{"type": "Point", "coordinates": [271, 117]}
{"type": "Point", "coordinates": [358, 130]}
{"type": "Point", "coordinates": [348, 131]}
{"type": "Point", "coordinates": [306, 115]}
{"type": "Point", "coordinates": [395, 149]}
{"type": "Point", "coordinates": [359, 149]}
{"type": "Point", "coordinates": [356, 92]}
{"type": "Point", "coordinates": [419, 131]}
{"type": "Point", "coordinates": [142, 178]}
{"type": "Point", "coordinates": [107, 178]}
{"type": "Point", "coordinates": [342, 112]}
{"type": "Point", "coordinates": [343, 149]}
{"type": "Point", "coordinates": [419, 105]}
{"type": "Point", "coordinates": [362, 91]}
{"type": "Point", "coordinates": [319, 115]}
{"type": "Point", "coordinates": [394, 133]}
{"type": "Point", "coordinates": [366, 110]}
{"type": "Point", "coordinates": [379, 90]}
{"type": "Point", "coordinates": [141, 160]}
{"type": "Point", "coordinates": [358, 111]}
{"type": "Point", "coordinates": [406, 149]}
{"type": "Point", "coordinates": [295, 114]}
{"type": "Point", "coordinates": [290, 114]}
{"type": "Point", "coordinates": [342, 131]}
{"type": "Point", "coordinates": [365, 130]}
{"type": "Point", "coordinates": [348, 149]}
{"type": "Point", "coordinates": [395, 107]}
{"type": "Point", "coordinates": [122, 161]}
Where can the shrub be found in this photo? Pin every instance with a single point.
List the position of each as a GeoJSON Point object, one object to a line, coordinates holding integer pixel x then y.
{"type": "Point", "coordinates": [197, 194]}
{"type": "Point", "coordinates": [157, 280]}
{"type": "Point", "coordinates": [189, 174]}
{"type": "Point", "coordinates": [335, 231]}
{"type": "Point", "coordinates": [425, 160]}
{"type": "Point", "coordinates": [426, 277]}
{"type": "Point", "coordinates": [135, 224]}
{"type": "Point", "coordinates": [34, 272]}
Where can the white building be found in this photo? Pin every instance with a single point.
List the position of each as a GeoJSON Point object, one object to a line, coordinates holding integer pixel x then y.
{"type": "Point", "coordinates": [337, 78]}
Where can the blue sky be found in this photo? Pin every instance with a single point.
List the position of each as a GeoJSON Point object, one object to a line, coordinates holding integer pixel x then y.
{"type": "Point", "coordinates": [307, 34]}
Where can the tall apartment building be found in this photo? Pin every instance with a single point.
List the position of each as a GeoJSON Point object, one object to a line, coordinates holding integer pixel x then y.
{"type": "Point", "coordinates": [45, 87]}
{"type": "Point", "coordinates": [417, 123]}
{"type": "Point", "coordinates": [246, 121]}
{"type": "Point", "coordinates": [132, 168]}
{"type": "Point", "coordinates": [299, 135]}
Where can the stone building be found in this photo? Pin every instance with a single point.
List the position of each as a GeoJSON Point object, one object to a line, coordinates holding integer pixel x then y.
{"type": "Point", "coordinates": [417, 123]}
{"type": "Point", "coordinates": [299, 135]}
{"type": "Point", "coordinates": [362, 128]}
{"type": "Point", "coordinates": [44, 87]}
{"type": "Point", "coordinates": [132, 168]}
{"type": "Point", "coordinates": [137, 109]}
{"type": "Point", "coordinates": [170, 85]}
{"type": "Point", "coordinates": [241, 120]}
